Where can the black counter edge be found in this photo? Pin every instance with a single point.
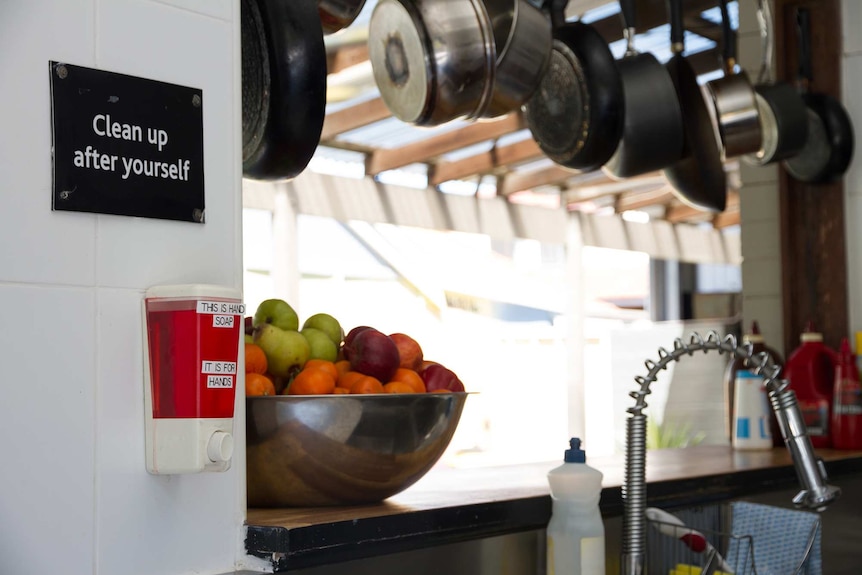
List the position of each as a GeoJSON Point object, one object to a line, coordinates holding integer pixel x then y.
{"type": "Point", "coordinates": [340, 541]}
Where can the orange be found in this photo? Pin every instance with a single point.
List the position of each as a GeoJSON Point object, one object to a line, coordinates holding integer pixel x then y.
{"type": "Point", "coordinates": [348, 378]}
{"type": "Point", "coordinates": [311, 382]}
{"type": "Point", "coordinates": [255, 359]}
{"type": "Point", "coordinates": [367, 384]}
{"type": "Point", "coordinates": [411, 378]}
{"type": "Point", "coordinates": [398, 387]}
{"type": "Point", "coordinates": [323, 364]}
{"type": "Point", "coordinates": [342, 367]}
{"type": "Point", "coordinates": [340, 390]}
{"type": "Point", "coordinates": [258, 384]}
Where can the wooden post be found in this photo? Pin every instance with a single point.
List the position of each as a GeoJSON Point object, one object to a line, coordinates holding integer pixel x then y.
{"type": "Point", "coordinates": [813, 245]}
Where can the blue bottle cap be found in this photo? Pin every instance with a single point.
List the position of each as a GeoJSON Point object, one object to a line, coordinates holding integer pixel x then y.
{"type": "Point", "coordinates": [575, 454]}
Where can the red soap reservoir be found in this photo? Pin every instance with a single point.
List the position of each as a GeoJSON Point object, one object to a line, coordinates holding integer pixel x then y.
{"type": "Point", "coordinates": [194, 346]}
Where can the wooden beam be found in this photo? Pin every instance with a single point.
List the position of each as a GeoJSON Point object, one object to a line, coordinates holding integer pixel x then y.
{"type": "Point", "coordinates": [651, 13]}
{"type": "Point", "coordinates": [485, 162]}
{"type": "Point", "coordinates": [812, 221]}
{"type": "Point", "coordinates": [726, 219]}
{"type": "Point", "coordinates": [703, 27]}
{"type": "Point", "coordinates": [685, 213]}
{"type": "Point", "coordinates": [426, 150]}
{"type": "Point", "coordinates": [344, 57]}
{"type": "Point", "coordinates": [638, 200]}
{"type": "Point", "coordinates": [548, 176]}
{"type": "Point", "coordinates": [353, 117]}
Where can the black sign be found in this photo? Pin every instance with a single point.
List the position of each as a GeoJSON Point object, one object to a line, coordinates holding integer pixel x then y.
{"type": "Point", "coordinates": [125, 145]}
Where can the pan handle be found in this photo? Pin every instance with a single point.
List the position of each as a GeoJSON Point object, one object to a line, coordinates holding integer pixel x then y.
{"type": "Point", "coordinates": [677, 32]}
{"type": "Point", "coordinates": [766, 25]}
{"type": "Point", "coordinates": [629, 15]}
{"type": "Point", "coordinates": [803, 29]}
{"type": "Point", "coordinates": [556, 9]}
{"type": "Point", "coordinates": [728, 38]}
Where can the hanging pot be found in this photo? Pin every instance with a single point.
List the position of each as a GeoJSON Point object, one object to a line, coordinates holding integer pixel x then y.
{"type": "Point", "coordinates": [336, 15]}
{"type": "Point", "coordinates": [829, 146]}
{"type": "Point", "coordinates": [733, 99]}
{"type": "Point", "coordinates": [522, 36]}
{"type": "Point", "coordinates": [783, 118]}
{"type": "Point", "coordinates": [283, 87]}
{"type": "Point", "coordinates": [653, 134]}
{"type": "Point", "coordinates": [698, 177]}
{"type": "Point", "coordinates": [576, 114]}
{"type": "Point", "coordinates": [433, 60]}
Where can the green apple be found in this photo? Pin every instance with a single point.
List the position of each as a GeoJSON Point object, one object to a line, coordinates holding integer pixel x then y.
{"type": "Point", "coordinates": [321, 346]}
{"type": "Point", "coordinates": [278, 313]}
{"type": "Point", "coordinates": [249, 338]}
{"type": "Point", "coordinates": [328, 325]}
{"type": "Point", "coordinates": [285, 349]}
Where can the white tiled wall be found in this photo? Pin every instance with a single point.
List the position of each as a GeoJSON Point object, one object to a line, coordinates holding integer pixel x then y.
{"type": "Point", "coordinates": [74, 491]}
{"type": "Point", "coordinates": [852, 77]}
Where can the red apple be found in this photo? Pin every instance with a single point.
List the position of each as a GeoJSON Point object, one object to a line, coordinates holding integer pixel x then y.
{"type": "Point", "coordinates": [347, 344]}
{"type": "Point", "coordinates": [374, 353]}
{"type": "Point", "coordinates": [440, 378]}
{"type": "Point", "coordinates": [408, 350]}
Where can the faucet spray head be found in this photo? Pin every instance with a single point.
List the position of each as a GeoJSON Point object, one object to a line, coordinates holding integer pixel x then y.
{"type": "Point", "coordinates": [816, 494]}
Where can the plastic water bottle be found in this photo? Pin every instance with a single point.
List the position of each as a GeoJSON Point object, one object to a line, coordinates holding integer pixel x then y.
{"type": "Point", "coordinates": [575, 534]}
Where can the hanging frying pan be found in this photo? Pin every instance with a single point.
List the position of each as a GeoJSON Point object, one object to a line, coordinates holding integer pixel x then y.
{"type": "Point", "coordinates": [733, 99]}
{"type": "Point", "coordinates": [336, 15]}
{"type": "Point", "coordinates": [698, 177]}
{"type": "Point", "coordinates": [653, 134]}
{"type": "Point", "coordinates": [283, 86]}
{"type": "Point", "coordinates": [783, 119]}
{"type": "Point", "coordinates": [829, 146]}
{"type": "Point", "coordinates": [576, 114]}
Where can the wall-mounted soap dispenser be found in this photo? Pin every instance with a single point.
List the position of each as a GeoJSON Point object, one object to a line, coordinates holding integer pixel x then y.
{"type": "Point", "coordinates": [191, 365]}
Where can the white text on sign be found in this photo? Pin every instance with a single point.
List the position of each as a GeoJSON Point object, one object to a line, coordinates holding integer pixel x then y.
{"type": "Point", "coordinates": [219, 381]}
{"type": "Point", "coordinates": [218, 367]}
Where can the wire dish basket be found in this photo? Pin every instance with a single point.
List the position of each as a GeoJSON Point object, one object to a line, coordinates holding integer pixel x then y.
{"type": "Point", "coordinates": [778, 542]}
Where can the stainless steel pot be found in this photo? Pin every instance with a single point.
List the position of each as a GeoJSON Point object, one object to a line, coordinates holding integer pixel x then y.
{"type": "Point", "coordinates": [336, 15]}
{"type": "Point", "coordinates": [433, 60]}
{"type": "Point", "coordinates": [783, 116]}
{"type": "Point", "coordinates": [523, 38]}
{"type": "Point", "coordinates": [733, 100]}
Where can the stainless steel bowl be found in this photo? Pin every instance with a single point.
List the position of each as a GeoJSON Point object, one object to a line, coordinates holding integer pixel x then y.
{"type": "Point", "coordinates": [344, 449]}
{"type": "Point", "coordinates": [433, 60]}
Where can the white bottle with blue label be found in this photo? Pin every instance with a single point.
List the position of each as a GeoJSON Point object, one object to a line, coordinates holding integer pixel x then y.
{"type": "Point", "coordinates": [751, 412]}
{"type": "Point", "coordinates": [575, 534]}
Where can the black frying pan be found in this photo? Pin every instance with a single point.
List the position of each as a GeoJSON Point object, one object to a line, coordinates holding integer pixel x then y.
{"type": "Point", "coordinates": [653, 134]}
{"type": "Point", "coordinates": [698, 177]}
{"type": "Point", "coordinates": [829, 146]}
{"type": "Point", "coordinates": [283, 86]}
{"type": "Point", "coordinates": [576, 113]}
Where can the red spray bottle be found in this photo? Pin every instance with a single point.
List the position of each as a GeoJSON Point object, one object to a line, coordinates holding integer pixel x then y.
{"type": "Point", "coordinates": [847, 402]}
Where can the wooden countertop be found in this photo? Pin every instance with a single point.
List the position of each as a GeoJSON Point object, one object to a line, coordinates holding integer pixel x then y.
{"type": "Point", "coordinates": [450, 505]}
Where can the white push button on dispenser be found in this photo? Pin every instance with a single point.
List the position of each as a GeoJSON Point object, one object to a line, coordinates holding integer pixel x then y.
{"type": "Point", "coordinates": [220, 447]}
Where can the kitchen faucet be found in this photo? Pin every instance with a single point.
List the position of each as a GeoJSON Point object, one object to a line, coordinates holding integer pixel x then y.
{"type": "Point", "coordinates": [816, 494]}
